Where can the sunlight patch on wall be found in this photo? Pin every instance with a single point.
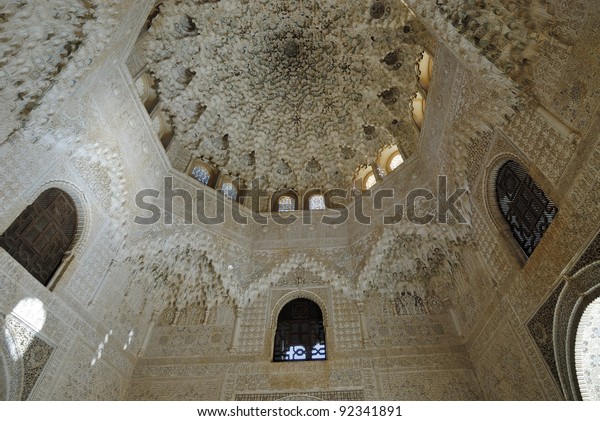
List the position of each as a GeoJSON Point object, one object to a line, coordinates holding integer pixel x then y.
{"type": "Point", "coordinates": [32, 312]}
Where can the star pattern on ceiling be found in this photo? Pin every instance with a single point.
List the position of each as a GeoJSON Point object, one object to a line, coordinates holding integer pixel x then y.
{"type": "Point", "coordinates": [296, 93]}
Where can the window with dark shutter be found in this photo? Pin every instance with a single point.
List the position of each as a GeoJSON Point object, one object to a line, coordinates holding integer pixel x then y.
{"type": "Point", "coordinates": [42, 233]}
{"type": "Point", "coordinates": [525, 207]}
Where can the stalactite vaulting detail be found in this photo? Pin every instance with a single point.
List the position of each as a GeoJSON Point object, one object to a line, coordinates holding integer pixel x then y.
{"type": "Point", "coordinates": [47, 47]}
{"type": "Point", "coordinates": [291, 80]}
{"type": "Point", "coordinates": [120, 104]}
{"type": "Point", "coordinates": [178, 278]}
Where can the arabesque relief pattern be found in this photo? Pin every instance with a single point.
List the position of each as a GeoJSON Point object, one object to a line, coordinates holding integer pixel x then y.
{"type": "Point", "coordinates": [184, 311]}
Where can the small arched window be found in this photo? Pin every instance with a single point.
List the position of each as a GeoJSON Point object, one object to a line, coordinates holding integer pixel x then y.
{"type": "Point", "coordinates": [41, 235]}
{"type": "Point", "coordinates": [229, 190]}
{"type": "Point", "coordinates": [316, 202]}
{"type": "Point", "coordinates": [286, 203]}
{"type": "Point", "coordinates": [524, 206]}
{"type": "Point", "coordinates": [300, 335]}
{"type": "Point", "coordinates": [202, 174]}
{"type": "Point", "coordinates": [395, 161]}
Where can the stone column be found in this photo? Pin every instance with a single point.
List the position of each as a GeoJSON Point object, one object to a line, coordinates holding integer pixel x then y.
{"type": "Point", "coordinates": [363, 326]}
{"type": "Point", "coordinates": [236, 329]}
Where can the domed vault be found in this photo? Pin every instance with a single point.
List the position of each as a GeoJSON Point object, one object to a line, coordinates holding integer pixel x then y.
{"type": "Point", "coordinates": [296, 93]}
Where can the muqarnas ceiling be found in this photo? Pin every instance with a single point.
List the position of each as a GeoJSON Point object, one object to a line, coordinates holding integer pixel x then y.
{"type": "Point", "coordinates": [296, 93]}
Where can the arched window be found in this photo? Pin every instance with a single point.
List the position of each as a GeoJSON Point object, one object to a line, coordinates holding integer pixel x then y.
{"type": "Point", "coordinates": [370, 180]}
{"type": "Point", "coordinates": [300, 335]}
{"type": "Point", "coordinates": [395, 161]}
{"type": "Point", "coordinates": [587, 352]}
{"type": "Point", "coordinates": [286, 203]}
{"type": "Point", "coordinates": [525, 207]}
{"type": "Point", "coordinates": [39, 238]}
{"type": "Point", "coordinates": [316, 202]}
{"type": "Point", "coordinates": [202, 174]}
{"type": "Point", "coordinates": [229, 190]}
{"type": "Point", "coordinates": [364, 177]}
{"type": "Point", "coordinates": [206, 174]}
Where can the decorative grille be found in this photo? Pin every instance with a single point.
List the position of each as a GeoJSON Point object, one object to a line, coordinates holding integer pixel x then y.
{"type": "Point", "coordinates": [526, 208]}
{"type": "Point", "coordinates": [42, 233]}
{"type": "Point", "coordinates": [316, 202]}
{"type": "Point", "coordinates": [229, 191]}
{"type": "Point", "coordinates": [201, 174]}
{"type": "Point", "coordinates": [286, 203]}
{"type": "Point", "coordinates": [300, 335]}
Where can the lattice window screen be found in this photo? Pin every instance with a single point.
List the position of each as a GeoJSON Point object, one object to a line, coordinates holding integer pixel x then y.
{"type": "Point", "coordinates": [300, 335]}
{"type": "Point", "coordinates": [526, 208]}
{"type": "Point", "coordinates": [42, 233]}
{"type": "Point", "coordinates": [286, 203]}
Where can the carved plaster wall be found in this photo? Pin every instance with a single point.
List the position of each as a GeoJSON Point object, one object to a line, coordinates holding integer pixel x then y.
{"type": "Point", "coordinates": [217, 367]}
{"type": "Point", "coordinates": [186, 310]}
